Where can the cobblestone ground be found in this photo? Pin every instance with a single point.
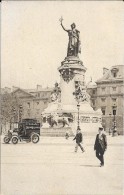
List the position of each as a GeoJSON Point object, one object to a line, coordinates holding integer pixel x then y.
{"type": "Point", "coordinates": [51, 167]}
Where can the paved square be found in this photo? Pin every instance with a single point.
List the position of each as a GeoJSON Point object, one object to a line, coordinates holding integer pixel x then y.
{"type": "Point", "coordinates": [51, 167]}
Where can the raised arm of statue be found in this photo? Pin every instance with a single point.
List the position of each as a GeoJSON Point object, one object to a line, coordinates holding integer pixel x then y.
{"type": "Point", "coordinates": [74, 43]}
{"type": "Point", "coordinates": [61, 19]}
{"type": "Point", "coordinates": [64, 27]}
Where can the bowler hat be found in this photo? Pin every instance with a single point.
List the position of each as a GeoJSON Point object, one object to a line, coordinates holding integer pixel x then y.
{"type": "Point", "coordinates": [101, 128]}
{"type": "Point", "coordinates": [78, 128]}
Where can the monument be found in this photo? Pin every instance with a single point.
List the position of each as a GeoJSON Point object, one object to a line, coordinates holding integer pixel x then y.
{"type": "Point", "coordinates": [70, 99]}
{"type": "Point", "coordinates": [72, 70]}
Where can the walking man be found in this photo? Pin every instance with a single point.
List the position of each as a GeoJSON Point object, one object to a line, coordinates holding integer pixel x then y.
{"type": "Point", "coordinates": [100, 145]}
{"type": "Point", "coordinates": [78, 139]}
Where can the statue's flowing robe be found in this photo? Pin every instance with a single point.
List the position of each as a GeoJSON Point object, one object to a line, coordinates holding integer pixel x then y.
{"type": "Point", "coordinates": [74, 45]}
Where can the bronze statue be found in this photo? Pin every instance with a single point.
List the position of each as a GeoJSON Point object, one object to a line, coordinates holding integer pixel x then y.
{"type": "Point", "coordinates": [56, 93]}
{"type": "Point", "coordinates": [74, 44]}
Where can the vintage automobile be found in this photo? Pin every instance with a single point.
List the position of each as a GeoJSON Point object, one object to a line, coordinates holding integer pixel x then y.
{"type": "Point", "coordinates": [28, 130]}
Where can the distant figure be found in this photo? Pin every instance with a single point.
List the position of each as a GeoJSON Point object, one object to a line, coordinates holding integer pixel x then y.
{"type": "Point", "coordinates": [74, 44]}
{"type": "Point", "coordinates": [78, 139]}
{"type": "Point", "coordinates": [67, 134]}
{"type": "Point", "coordinates": [110, 131]}
{"type": "Point", "coordinates": [100, 145]}
{"type": "Point", "coordinates": [65, 122]}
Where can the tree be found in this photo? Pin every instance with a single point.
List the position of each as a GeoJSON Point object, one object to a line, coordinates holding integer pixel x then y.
{"type": "Point", "coordinates": [11, 108]}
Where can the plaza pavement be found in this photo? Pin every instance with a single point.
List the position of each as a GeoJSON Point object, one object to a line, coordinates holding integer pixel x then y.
{"type": "Point", "coordinates": [51, 167]}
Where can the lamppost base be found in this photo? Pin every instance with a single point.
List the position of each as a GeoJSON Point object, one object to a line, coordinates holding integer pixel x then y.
{"type": "Point", "coordinates": [114, 133]}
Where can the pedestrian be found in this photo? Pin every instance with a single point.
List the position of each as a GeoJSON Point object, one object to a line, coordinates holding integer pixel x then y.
{"type": "Point", "coordinates": [67, 134]}
{"type": "Point", "coordinates": [78, 139]}
{"type": "Point", "coordinates": [100, 145]}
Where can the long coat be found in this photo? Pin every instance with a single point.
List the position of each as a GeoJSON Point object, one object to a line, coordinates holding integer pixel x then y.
{"type": "Point", "coordinates": [100, 144]}
{"type": "Point", "coordinates": [78, 137]}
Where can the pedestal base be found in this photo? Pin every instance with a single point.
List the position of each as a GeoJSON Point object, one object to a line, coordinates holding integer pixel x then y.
{"type": "Point", "coordinates": [56, 132]}
{"type": "Point", "coordinates": [72, 61]}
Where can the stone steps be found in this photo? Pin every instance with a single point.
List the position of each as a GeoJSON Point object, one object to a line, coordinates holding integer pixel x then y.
{"type": "Point", "coordinates": [60, 132]}
{"type": "Point", "coordinates": [56, 132]}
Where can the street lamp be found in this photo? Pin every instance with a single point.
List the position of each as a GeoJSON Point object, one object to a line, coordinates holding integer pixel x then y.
{"type": "Point", "coordinates": [20, 113]}
{"type": "Point", "coordinates": [110, 124]}
{"type": "Point", "coordinates": [114, 129]}
{"type": "Point", "coordinates": [13, 112]}
{"type": "Point", "coordinates": [78, 96]}
{"type": "Point", "coordinates": [78, 119]}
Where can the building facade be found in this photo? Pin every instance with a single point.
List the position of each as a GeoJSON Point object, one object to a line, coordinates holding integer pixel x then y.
{"type": "Point", "coordinates": [108, 95]}
{"type": "Point", "coordinates": [33, 101]}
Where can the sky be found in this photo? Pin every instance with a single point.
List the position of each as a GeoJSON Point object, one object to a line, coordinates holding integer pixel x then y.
{"type": "Point", "coordinates": [33, 43]}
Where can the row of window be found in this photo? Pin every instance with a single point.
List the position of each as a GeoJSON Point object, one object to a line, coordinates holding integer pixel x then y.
{"type": "Point", "coordinates": [104, 111]}
{"type": "Point", "coordinates": [104, 88]}
{"type": "Point", "coordinates": [43, 94]}
{"type": "Point", "coordinates": [103, 100]}
{"type": "Point", "coordinates": [37, 103]}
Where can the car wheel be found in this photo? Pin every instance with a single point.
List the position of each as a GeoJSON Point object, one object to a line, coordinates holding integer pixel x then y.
{"type": "Point", "coordinates": [6, 139]}
{"type": "Point", "coordinates": [35, 138]}
{"type": "Point", "coordinates": [15, 140]}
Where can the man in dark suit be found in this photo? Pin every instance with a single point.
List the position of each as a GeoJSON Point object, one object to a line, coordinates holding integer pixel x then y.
{"type": "Point", "coordinates": [100, 145]}
{"type": "Point", "coordinates": [78, 139]}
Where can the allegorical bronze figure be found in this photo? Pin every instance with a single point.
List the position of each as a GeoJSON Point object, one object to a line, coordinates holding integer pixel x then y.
{"type": "Point", "coordinates": [74, 44]}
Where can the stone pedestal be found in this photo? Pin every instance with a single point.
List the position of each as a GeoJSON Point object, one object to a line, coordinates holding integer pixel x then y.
{"type": "Point", "coordinates": [71, 71]}
{"type": "Point", "coordinates": [72, 78]}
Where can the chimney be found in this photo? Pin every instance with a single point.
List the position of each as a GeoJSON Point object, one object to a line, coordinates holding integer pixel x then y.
{"type": "Point", "coordinates": [105, 70]}
{"type": "Point", "coordinates": [39, 87]}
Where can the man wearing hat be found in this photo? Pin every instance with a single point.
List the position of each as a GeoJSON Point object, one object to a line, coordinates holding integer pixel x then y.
{"type": "Point", "coordinates": [100, 145]}
{"type": "Point", "coordinates": [78, 139]}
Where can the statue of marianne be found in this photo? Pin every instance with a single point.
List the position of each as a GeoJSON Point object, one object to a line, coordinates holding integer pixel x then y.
{"type": "Point", "coordinates": [74, 44]}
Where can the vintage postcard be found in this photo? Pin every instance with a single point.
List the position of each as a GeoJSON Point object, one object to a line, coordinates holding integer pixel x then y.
{"type": "Point", "coordinates": [61, 111]}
